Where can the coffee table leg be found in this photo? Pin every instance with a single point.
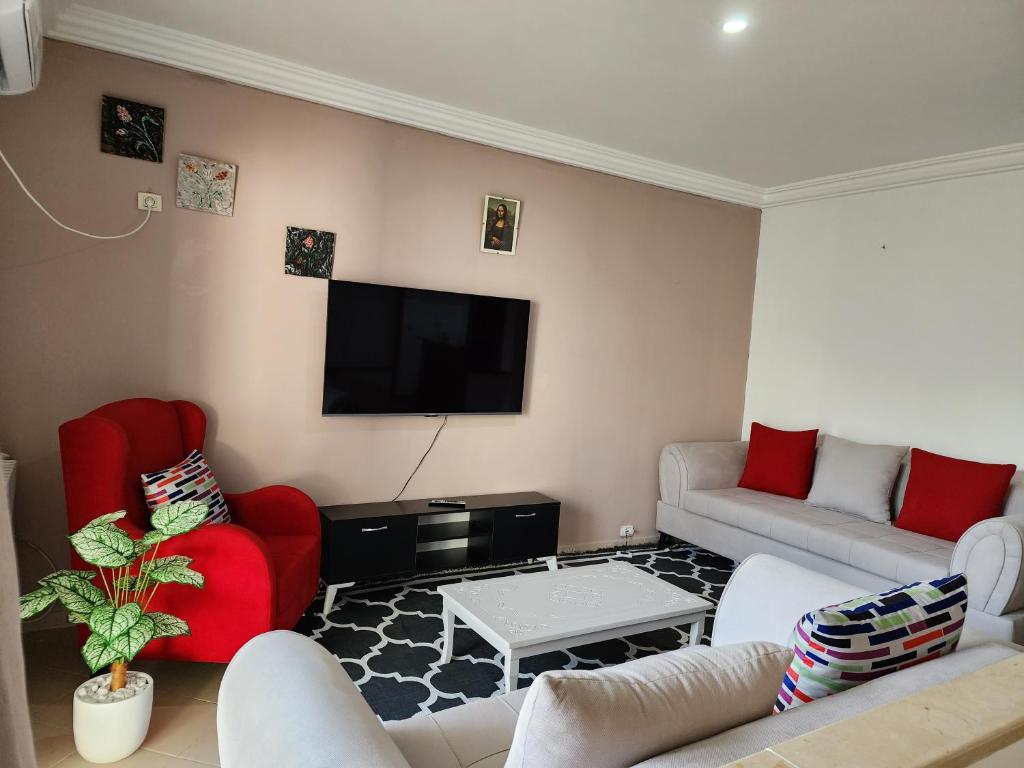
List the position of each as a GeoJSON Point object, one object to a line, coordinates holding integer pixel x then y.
{"type": "Point", "coordinates": [696, 631]}
{"type": "Point", "coordinates": [511, 671]}
{"type": "Point", "coordinates": [449, 633]}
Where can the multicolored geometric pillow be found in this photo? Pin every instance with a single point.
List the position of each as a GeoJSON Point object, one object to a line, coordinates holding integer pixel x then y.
{"type": "Point", "coordinates": [190, 480]}
{"type": "Point", "coordinates": [844, 645]}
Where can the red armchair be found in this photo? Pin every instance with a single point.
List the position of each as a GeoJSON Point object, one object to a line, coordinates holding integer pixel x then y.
{"type": "Point", "coordinates": [262, 569]}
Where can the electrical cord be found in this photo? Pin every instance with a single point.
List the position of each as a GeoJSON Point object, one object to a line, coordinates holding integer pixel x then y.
{"type": "Point", "coordinates": [17, 178]}
{"type": "Point", "coordinates": [423, 458]}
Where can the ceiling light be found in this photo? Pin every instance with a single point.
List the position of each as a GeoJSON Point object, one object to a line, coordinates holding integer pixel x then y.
{"type": "Point", "coordinates": [734, 25]}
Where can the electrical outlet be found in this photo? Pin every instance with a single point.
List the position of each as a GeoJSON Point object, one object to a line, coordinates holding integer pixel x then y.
{"type": "Point", "coordinates": [626, 531]}
{"type": "Point", "coordinates": [150, 201]}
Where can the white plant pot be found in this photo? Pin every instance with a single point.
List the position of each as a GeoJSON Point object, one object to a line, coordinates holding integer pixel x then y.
{"type": "Point", "coordinates": [108, 731]}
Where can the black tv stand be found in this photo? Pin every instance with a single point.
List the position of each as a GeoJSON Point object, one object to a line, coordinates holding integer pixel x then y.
{"type": "Point", "coordinates": [395, 538]}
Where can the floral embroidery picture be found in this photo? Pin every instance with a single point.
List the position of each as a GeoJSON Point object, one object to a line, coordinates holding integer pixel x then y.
{"type": "Point", "coordinates": [309, 253]}
{"type": "Point", "coordinates": [130, 129]}
{"type": "Point", "coordinates": [206, 185]}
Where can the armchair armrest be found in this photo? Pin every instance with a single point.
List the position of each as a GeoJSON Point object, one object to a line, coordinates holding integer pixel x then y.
{"type": "Point", "coordinates": [991, 555]}
{"type": "Point", "coordinates": [285, 700]}
{"type": "Point", "coordinates": [276, 509]}
{"type": "Point", "coordinates": [699, 467]}
{"type": "Point", "coordinates": [237, 601]}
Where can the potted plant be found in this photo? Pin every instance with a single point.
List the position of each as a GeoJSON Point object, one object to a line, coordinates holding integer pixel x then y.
{"type": "Point", "coordinates": [112, 711]}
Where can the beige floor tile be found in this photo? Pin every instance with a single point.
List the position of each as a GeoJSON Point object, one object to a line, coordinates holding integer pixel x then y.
{"type": "Point", "coordinates": [184, 728]}
{"type": "Point", "coordinates": [50, 692]}
{"type": "Point", "coordinates": [144, 758]}
{"type": "Point", "coordinates": [184, 679]}
{"type": "Point", "coordinates": [52, 748]}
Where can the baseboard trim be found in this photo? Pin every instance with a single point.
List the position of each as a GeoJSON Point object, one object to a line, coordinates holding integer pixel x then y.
{"type": "Point", "coordinates": [593, 546]}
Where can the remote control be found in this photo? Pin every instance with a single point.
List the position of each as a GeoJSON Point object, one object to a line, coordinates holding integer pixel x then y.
{"type": "Point", "coordinates": [446, 503]}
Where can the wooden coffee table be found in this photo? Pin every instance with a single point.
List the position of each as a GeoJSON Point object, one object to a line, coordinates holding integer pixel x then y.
{"type": "Point", "coordinates": [528, 614]}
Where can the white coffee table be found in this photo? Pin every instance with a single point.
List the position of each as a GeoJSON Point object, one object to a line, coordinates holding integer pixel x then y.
{"type": "Point", "coordinates": [532, 613]}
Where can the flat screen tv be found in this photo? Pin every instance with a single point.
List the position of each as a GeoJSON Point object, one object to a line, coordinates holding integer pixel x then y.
{"type": "Point", "coordinates": [394, 350]}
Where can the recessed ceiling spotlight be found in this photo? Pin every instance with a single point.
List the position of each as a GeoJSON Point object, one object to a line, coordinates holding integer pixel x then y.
{"type": "Point", "coordinates": [734, 25]}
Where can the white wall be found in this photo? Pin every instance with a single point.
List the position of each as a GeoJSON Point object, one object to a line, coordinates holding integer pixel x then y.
{"type": "Point", "coordinates": [896, 316]}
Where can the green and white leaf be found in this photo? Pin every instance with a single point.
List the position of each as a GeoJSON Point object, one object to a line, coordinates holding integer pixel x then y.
{"type": "Point", "coordinates": [109, 622]}
{"type": "Point", "coordinates": [83, 574]}
{"type": "Point", "coordinates": [173, 570]}
{"type": "Point", "coordinates": [179, 517]}
{"type": "Point", "coordinates": [165, 625]}
{"type": "Point", "coordinates": [77, 618]}
{"type": "Point", "coordinates": [106, 519]}
{"type": "Point", "coordinates": [36, 602]}
{"type": "Point", "coordinates": [98, 653]}
{"type": "Point", "coordinates": [131, 642]}
{"type": "Point", "coordinates": [76, 594]}
{"type": "Point", "coordinates": [144, 544]}
{"type": "Point", "coordinates": [106, 546]}
{"type": "Point", "coordinates": [175, 561]}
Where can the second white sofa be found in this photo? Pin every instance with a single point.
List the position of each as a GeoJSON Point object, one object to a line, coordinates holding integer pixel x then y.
{"type": "Point", "coordinates": [701, 503]}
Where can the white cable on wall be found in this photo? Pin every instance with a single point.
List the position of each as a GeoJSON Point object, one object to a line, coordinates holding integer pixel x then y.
{"type": "Point", "coordinates": [17, 178]}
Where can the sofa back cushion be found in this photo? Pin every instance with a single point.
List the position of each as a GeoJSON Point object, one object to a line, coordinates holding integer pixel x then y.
{"type": "Point", "coordinates": [779, 462]}
{"type": "Point", "coordinates": [946, 496]}
{"type": "Point", "coordinates": [856, 478]}
{"type": "Point", "coordinates": [617, 716]}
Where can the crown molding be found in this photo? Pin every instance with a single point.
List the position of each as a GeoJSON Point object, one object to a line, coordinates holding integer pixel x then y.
{"type": "Point", "coordinates": [142, 40]}
{"type": "Point", "coordinates": [119, 34]}
{"type": "Point", "coordinates": [994, 160]}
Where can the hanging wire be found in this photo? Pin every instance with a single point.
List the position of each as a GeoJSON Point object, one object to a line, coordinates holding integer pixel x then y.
{"type": "Point", "coordinates": [17, 178]}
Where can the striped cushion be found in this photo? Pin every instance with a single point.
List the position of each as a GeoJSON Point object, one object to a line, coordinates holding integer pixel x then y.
{"type": "Point", "coordinates": [844, 645]}
{"type": "Point", "coordinates": [190, 480]}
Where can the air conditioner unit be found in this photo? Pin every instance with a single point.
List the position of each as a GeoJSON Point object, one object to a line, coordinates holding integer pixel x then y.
{"type": "Point", "coordinates": [21, 46]}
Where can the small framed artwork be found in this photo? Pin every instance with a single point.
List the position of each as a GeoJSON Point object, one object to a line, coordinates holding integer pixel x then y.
{"type": "Point", "coordinates": [131, 129]}
{"type": "Point", "coordinates": [309, 253]}
{"type": "Point", "coordinates": [500, 229]}
{"type": "Point", "coordinates": [206, 185]}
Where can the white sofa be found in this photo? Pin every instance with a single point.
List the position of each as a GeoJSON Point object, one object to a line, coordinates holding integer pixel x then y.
{"type": "Point", "coordinates": [701, 503]}
{"type": "Point", "coordinates": [286, 701]}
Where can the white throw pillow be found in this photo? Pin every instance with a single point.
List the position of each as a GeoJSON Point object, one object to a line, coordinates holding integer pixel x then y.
{"type": "Point", "coordinates": [618, 716]}
{"type": "Point", "coordinates": [856, 478]}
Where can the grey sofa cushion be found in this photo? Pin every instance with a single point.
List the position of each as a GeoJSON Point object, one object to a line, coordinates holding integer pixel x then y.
{"type": "Point", "coordinates": [886, 551]}
{"type": "Point", "coordinates": [760, 734]}
{"type": "Point", "coordinates": [856, 478]}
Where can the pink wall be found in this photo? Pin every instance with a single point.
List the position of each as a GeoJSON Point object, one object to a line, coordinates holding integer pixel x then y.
{"type": "Point", "coordinates": [640, 328]}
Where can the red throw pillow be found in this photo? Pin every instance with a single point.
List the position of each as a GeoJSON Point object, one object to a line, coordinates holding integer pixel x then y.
{"type": "Point", "coordinates": [947, 496]}
{"type": "Point", "coordinates": [779, 462]}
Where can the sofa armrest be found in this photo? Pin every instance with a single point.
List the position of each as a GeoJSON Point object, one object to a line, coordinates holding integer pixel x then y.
{"type": "Point", "coordinates": [766, 596]}
{"type": "Point", "coordinates": [991, 554]}
{"type": "Point", "coordinates": [699, 467]}
{"type": "Point", "coordinates": [285, 700]}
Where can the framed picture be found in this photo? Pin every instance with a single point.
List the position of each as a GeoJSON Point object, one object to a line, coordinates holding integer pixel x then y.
{"type": "Point", "coordinates": [206, 185]}
{"type": "Point", "coordinates": [500, 229]}
{"type": "Point", "coordinates": [131, 129]}
{"type": "Point", "coordinates": [308, 253]}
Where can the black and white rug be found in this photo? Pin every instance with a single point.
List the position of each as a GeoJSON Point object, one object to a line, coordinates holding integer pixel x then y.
{"type": "Point", "coordinates": [387, 636]}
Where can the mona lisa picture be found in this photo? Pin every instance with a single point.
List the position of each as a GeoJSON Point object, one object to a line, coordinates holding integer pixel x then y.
{"type": "Point", "coordinates": [501, 225]}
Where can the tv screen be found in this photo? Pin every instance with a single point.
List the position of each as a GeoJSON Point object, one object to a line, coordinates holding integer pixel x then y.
{"type": "Point", "coordinates": [394, 350]}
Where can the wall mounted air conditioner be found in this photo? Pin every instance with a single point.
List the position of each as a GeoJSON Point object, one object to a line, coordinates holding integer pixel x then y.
{"type": "Point", "coordinates": [21, 46]}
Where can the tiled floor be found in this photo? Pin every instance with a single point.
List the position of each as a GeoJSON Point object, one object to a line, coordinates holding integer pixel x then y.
{"type": "Point", "coordinates": [182, 733]}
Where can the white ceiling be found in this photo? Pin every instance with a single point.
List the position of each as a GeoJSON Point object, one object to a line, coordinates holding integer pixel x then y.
{"type": "Point", "coordinates": [813, 88]}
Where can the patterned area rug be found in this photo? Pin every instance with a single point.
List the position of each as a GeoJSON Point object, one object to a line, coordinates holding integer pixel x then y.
{"type": "Point", "coordinates": [387, 635]}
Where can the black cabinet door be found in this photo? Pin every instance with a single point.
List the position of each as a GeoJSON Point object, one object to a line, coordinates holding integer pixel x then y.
{"type": "Point", "coordinates": [524, 532]}
{"type": "Point", "coordinates": [369, 547]}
